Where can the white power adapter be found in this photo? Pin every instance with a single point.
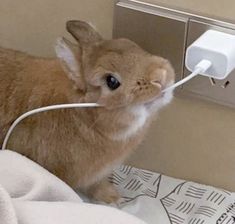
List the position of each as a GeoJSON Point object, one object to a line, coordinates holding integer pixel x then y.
{"type": "Point", "coordinates": [216, 47]}
{"type": "Point", "coordinates": [211, 55]}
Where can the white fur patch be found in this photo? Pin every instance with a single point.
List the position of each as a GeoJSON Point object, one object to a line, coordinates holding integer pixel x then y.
{"type": "Point", "coordinates": [141, 114]}
{"type": "Point", "coordinates": [162, 101]}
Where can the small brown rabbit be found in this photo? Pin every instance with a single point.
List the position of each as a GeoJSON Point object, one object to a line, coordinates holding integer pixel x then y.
{"type": "Point", "coordinates": [81, 146]}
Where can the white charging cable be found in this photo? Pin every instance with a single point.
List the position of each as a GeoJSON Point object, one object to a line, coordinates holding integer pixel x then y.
{"type": "Point", "coordinates": [42, 109]}
{"type": "Point", "coordinates": [201, 67]}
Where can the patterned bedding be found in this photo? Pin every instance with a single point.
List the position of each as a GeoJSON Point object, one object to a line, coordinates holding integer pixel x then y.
{"type": "Point", "coordinates": [156, 198]}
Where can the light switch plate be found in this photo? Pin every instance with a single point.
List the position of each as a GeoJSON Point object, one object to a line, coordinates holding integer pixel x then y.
{"type": "Point", "coordinates": [167, 32]}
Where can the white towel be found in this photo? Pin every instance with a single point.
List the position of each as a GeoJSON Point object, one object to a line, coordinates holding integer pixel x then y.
{"type": "Point", "coordinates": [31, 195]}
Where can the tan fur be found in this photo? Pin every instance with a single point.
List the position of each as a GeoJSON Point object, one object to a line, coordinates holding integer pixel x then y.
{"type": "Point", "coordinates": [78, 145]}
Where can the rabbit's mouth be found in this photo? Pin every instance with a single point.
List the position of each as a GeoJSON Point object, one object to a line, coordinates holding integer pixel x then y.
{"type": "Point", "coordinates": [154, 99]}
{"type": "Point", "coordinates": [150, 103]}
{"type": "Point", "coordinates": [158, 102]}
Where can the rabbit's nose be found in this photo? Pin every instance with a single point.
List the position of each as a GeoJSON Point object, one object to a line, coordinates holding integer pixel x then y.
{"type": "Point", "coordinates": [158, 78]}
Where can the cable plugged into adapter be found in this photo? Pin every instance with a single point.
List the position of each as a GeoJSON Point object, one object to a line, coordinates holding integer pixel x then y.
{"type": "Point", "coordinates": [218, 48]}
{"type": "Point", "coordinates": [211, 55]}
{"type": "Point", "coordinates": [201, 67]}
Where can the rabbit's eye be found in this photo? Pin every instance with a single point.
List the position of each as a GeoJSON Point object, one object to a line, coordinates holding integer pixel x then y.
{"type": "Point", "coordinates": [112, 82]}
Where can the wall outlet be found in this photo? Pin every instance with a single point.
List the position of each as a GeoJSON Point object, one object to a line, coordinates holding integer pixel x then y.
{"type": "Point", "coordinates": [220, 91]}
{"type": "Point", "coordinates": [168, 32]}
{"type": "Point", "coordinates": [153, 31]}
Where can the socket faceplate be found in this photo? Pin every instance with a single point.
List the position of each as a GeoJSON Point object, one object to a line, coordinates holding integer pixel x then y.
{"type": "Point", "coordinates": [219, 91]}
{"type": "Point", "coordinates": [167, 32]}
{"type": "Point", "coordinates": [153, 31]}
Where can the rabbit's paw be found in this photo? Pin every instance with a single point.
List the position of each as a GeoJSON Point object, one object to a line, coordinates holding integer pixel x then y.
{"type": "Point", "coordinates": [103, 191]}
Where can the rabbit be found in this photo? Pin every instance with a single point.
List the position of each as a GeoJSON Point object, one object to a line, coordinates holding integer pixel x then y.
{"type": "Point", "coordinates": [82, 146]}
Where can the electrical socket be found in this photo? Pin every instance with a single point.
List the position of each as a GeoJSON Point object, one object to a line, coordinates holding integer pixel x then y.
{"type": "Point", "coordinates": [168, 32]}
{"type": "Point", "coordinates": [219, 91]}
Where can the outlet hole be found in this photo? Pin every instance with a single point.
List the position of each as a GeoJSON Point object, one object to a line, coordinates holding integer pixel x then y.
{"type": "Point", "coordinates": [225, 85]}
{"type": "Point", "coordinates": [212, 81]}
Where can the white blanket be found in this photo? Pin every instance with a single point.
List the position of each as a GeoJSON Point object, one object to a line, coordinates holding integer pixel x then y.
{"type": "Point", "coordinates": [31, 195]}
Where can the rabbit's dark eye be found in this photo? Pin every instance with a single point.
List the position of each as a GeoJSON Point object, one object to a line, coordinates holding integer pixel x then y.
{"type": "Point", "coordinates": [112, 82]}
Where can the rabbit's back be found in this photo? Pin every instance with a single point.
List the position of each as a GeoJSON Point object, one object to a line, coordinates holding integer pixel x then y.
{"type": "Point", "coordinates": [69, 143]}
{"type": "Point", "coordinates": [27, 82]}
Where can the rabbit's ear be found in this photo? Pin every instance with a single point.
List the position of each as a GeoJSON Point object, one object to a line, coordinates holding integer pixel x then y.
{"type": "Point", "coordinates": [70, 57]}
{"type": "Point", "coordinates": [83, 32]}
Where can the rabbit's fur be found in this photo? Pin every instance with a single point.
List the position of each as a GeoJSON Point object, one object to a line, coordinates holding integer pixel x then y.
{"type": "Point", "coordinates": [81, 146]}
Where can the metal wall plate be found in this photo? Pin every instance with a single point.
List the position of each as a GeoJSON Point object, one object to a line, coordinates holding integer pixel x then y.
{"type": "Point", "coordinates": [158, 32]}
{"type": "Point", "coordinates": [167, 32]}
{"type": "Point", "coordinates": [219, 91]}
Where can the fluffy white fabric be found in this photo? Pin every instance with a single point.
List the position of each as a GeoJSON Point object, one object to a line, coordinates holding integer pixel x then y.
{"type": "Point", "coordinates": [31, 195]}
